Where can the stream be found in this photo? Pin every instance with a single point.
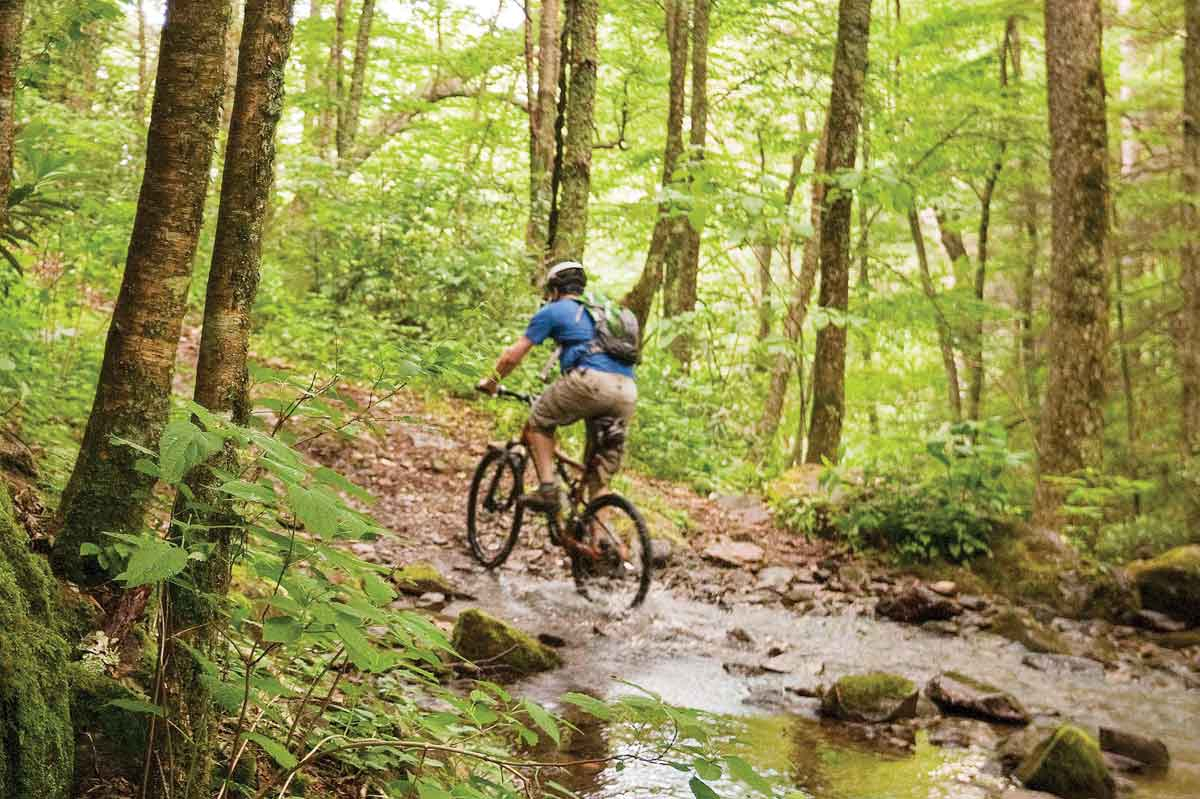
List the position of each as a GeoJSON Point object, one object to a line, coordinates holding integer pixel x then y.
{"type": "Point", "coordinates": [681, 649]}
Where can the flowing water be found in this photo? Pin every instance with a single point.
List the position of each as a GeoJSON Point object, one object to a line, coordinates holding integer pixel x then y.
{"type": "Point", "coordinates": [678, 648]}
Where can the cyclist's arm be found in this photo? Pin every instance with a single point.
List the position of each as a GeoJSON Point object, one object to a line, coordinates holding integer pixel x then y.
{"type": "Point", "coordinates": [509, 360]}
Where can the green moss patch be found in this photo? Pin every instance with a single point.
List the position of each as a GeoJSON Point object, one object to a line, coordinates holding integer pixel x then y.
{"type": "Point", "coordinates": [422, 577]}
{"type": "Point", "coordinates": [874, 697]}
{"type": "Point", "coordinates": [1029, 633]}
{"type": "Point", "coordinates": [493, 644]}
{"type": "Point", "coordinates": [1067, 764]}
{"type": "Point", "coordinates": [1170, 583]}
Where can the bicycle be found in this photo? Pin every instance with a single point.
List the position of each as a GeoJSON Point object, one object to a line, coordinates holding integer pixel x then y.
{"type": "Point", "coordinates": [606, 539]}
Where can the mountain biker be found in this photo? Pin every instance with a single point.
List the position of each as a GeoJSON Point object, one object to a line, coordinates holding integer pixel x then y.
{"type": "Point", "coordinates": [594, 387]}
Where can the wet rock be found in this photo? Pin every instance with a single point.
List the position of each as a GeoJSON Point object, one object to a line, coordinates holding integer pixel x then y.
{"type": "Point", "coordinates": [420, 578]}
{"type": "Point", "coordinates": [948, 628]}
{"type": "Point", "coordinates": [738, 669]}
{"type": "Point", "coordinates": [746, 510]}
{"type": "Point", "coordinates": [550, 639]}
{"type": "Point", "coordinates": [961, 733]}
{"type": "Point", "coordinates": [1029, 632]}
{"type": "Point", "coordinates": [661, 551]}
{"type": "Point", "coordinates": [1068, 764]}
{"type": "Point", "coordinates": [1014, 749]}
{"type": "Point", "coordinates": [1148, 751]}
{"type": "Point", "coordinates": [739, 635]}
{"type": "Point", "coordinates": [960, 695]}
{"type": "Point", "coordinates": [1121, 764]}
{"type": "Point", "coordinates": [801, 593]}
{"type": "Point", "coordinates": [775, 578]}
{"type": "Point", "coordinates": [1021, 793]}
{"type": "Point", "coordinates": [1158, 622]}
{"type": "Point", "coordinates": [873, 698]}
{"type": "Point", "coordinates": [1170, 583]}
{"type": "Point", "coordinates": [917, 604]}
{"type": "Point", "coordinates": [974, 603]}
{"type": "Point", "coordinates": [1063, 663]}
{"type": "Point", "coordinates": [493, 644]}
{"type": "Point", "coordinates": [1180, 640]}
{"type": "Point", "coordinates": [853, 578]}
{"type": "Point", "coordinates": [734, 553]}
{"type": "Point", "coordinates": [944, 587]}
{"type": "Point", "coordinates": [433, 600]}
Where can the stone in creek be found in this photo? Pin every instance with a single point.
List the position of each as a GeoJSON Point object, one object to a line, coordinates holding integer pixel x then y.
{"type": "Point", "coordinates": [1158, 622]}
{"type": "Point", "coordinates": [959, 695]}
{"type": "Point", "coordinates": [746, 510]}
{"type": "Point", "coordinates": [944, 587]}
{"type": "Point", "coordinates": [421, 577]}
{"type": "Point", "coordinates": [853, 578]}
{"type": "Point", "coordinates": [1170, 583]}
{"type": "Point", "coordinates": [975, 603]}
{"type": "Point", "coordinates": [492, 643]}
{"type": "Point", "coordinates": [947, 628]}
{"type": "Point", "coordinates": [960, 733]}
{"type": "Point", "coordinates": [1150, 751]}
{"type": "Point", "coordinates": [661, 551]}
{"type": "Point", "coordinates": [873, 698]}
{"type": "Point", "coordinates": [1042, 661]}
{"type": "Point", "coordinates": [775, 578]}
{"type": "Point", "coordinates": [1068, 764]}
{"type": "Point", "coordinates": [917, 604]}
{"type": "Point", "coordinates": [734, 553]}
{"type": "Point", "coordinates": [739, 635]}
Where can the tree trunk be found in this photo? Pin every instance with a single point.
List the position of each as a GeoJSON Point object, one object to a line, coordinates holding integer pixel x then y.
{"type": "Point", "coordinates": [106, 491]}
{"type": "Point", "coordinates": [570, 236]}
{"type": "Point", "coordinates": [541, 137]}
{"type": "Point", "coordinates": [331, 120]}
{"type": "Point", "coordinates": [864, 278]}
{"type": "Point", "coordinates": [684, 299]}
{"type": "Point", "coordinates": [797, 309]}
{"type": "Point", "coordinates": [222, 386]}
{"type": "Point", "coordinates": [944, 333]}
{"type": "Point", "coordinates": [12, 14]}
{"type": "Point", "coordinates": [845, 112]}
{"type": "Point", "coordinates": [641, 297]}
{"type": "Point", "coordinates": [315, 72]}
{"type": "Point", "coordinates": [1189, 329]}
{"type": "Point", "coordinates": [348, 127]}
{"type": "Point", "coordinates": [1029, 209]}
{"type": "Point", "coordinates": [1072, 427]}
{"type": "Point", "coordinates": [143, 85]}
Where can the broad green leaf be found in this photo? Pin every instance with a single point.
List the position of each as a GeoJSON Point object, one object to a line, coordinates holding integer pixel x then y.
{"type": "Point", "coordinates": [254, 492]}
{"type": "Point", "coordinates": [379, 591]}
{"type": "Point", "coordinates": [701, 790]}
{"type": "Point", "coordinates": [362, 653]}
{"type": "Point", "coordinates": [275, 749]}
{"type": "Point", "coordinates": [137, 706]}
{"type": "Point", "coordinates": [183, 446]}
{"type": "Point", "coordinates": [333, 479]}
{"type": "Point", "coordinates": [429, 790]}
{"type": "Point", "coordinates": [152, 561]}
{"type": "Point", "coordinates": [543, 719]}
{"type": "Point", "coordinates": [282, 630]}
{"type": "Point", "coordinates": [744, 772]}
{"type": "Point", "coordinates": [706, 769]}
{"type": "Point", "coordinates": [589, 704]}
{"type": "Point", "coordinates": [314, 510]}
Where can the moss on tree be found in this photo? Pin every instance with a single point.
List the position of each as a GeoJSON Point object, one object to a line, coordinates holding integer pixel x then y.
{"type": "Point", "coordinates": [36, 738]}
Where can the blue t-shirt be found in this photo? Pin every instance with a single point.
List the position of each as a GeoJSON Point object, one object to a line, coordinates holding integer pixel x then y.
{"type": "Point", "coordinates": [570, 325]}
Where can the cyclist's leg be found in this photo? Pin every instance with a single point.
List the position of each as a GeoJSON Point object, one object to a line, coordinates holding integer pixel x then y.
{"type": "Point", "coordinates": [565, 402]}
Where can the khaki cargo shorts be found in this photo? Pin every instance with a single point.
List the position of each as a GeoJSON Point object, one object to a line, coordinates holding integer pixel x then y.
{"type": "Point", "coordinates": [604, 400]}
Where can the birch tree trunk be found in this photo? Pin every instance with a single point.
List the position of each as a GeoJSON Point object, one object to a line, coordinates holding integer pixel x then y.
{"type": "Point", "coordinates": [348, 126]}
{"type": "Point", "coordinates": [944, 333]}
{"type": "Point", "coordinates": [106, 492]}
{"type": "Point", "coordinates": [1072, 428]}
{"type": "Point", "coordinates": [570, 235]}
{"type": "Point", "coordinates": [542, 149]}
{"type": "Point", "coordinates": [845, 113]}
{"type": "Point", "coordinates": [193, 607]}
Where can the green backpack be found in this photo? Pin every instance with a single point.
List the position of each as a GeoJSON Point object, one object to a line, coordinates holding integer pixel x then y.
{"type": "Point", "coordinates": [618, 333]}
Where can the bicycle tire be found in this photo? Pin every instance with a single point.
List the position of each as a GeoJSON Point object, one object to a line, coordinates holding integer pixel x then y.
{"type": "Point", "coordinates": [507, 463]}
{"type": "Point", "coordinates": [641, 547]}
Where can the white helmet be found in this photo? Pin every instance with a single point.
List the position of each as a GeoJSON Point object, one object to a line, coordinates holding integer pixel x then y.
{"type": "Point", "coordinates": [560, 268]}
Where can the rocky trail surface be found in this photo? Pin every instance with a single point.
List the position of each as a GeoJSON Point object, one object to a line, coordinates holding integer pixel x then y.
{"type": "Point", "coordinates": [754, 624]}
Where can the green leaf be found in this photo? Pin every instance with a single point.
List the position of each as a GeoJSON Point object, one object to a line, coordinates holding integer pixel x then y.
{"type": "Point", "coordinates": [183, 446]}
{"type": "Point", "coordinates": [137, 706]}
{"type": "Point", "coordinates": [377, 589]}
{"type": "Point", "coordinates": [429, 790]}
{"type": "Point", "coordinates": [329, 477]}
{"type": "Point", "coordinates": [707, 769]}
{"type": "Point", "coordinates": [253, 492]}
{"type": "Point", "coordinates": [361, 653]}
{"type": "Point", "coordinates": [744, 772]}
{"type": "Point", "coordinates": [152, 561]}
{"type": "Point", "coordinates": [88, 548]}
{"type": "Point", "coordinates": [589, 704]}
{"type": "Point", "coordinates": [275, 749]}
{"type": "Point", "coordinates": [314, 510]}
{"type": "Point", "coordinates": [282, 630]}
{"type": "Point", "coordinates": [543, 719]}
{"type": "Point", "coordinates": [701, 790]}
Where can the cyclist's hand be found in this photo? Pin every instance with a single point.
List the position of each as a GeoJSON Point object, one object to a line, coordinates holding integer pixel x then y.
{"type": "Point", "coordinates": [489, 385]}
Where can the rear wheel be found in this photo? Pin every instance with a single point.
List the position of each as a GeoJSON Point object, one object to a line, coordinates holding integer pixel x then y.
{"type": "Point", "coordinates": [494, 513]}
{"type": "Point", "coordinates": [619, 577]}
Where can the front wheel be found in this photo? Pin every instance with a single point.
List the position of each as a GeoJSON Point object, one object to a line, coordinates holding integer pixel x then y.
{"type": "Point", "coordinates": [619, 575]}
{"type": "Point", "coordinates": [493, 511]}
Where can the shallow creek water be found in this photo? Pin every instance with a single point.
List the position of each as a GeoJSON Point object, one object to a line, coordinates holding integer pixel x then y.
{"type": "Point", "coordinates": [677, 648]}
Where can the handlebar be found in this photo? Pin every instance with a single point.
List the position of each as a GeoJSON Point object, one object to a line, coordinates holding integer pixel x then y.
{"type": "Point", "coordinates": [527, 399]}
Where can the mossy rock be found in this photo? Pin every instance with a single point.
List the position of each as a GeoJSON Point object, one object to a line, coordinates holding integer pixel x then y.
{"type": "Point", "coordinates": [495, 645]}
{"type": "Point", "coordinates": [422, 577]}
{"type": "Point", "coordinates": [1028, 632]}
{"type": "Point", "coordinates": [115, 737]}
{"type": "Point", "coordinates": [37, 750]}
{"type": "Point", "coordinates": [1068, 764]}
{"type": "Point", "coordinates": [958, 694]}
{"type": "Point", "coordinates": [872, 698]}
{"type": "Point", "coordinates": [1170, 583]}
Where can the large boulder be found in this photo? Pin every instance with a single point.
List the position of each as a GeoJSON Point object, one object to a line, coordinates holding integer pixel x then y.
{"type": "Point", "coordinates": [420, 578]}
{"type": "Point", "coordinates": [872, 698]}
{"type": "Point", "coordinates": [494, 645]}
{"type": "Point", "coordinates": [1149, 751]}
{"type": "Point", "coordinates": [1170, 583]}
{"type": "Point", "coordinates": [37, 746]}
{"type": "Point", "coordinates": [959, 695]}
{"type": "Point", "coordinates": [1029, 632]}
{"type": "Point", "coordinates": [1068, 764]}
{"type": "Point", "coordinates": [917, 604]}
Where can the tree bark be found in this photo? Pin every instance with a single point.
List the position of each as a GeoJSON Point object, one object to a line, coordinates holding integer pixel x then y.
{"type": "Point", "coordinates": [641, 297]}
{"type": "Point", "coordinates": [348, 125]}
{"type": "Point", "coordinates": [570, 236]}
{"type": "Point", "coordinates": [106, 491]}
{"type": "Point", "coordinates": [542, 112]}
{"type": "Point", "coordinates": [797, 308]}
{"type": "Point", "coordinates": [193, 607]}
{"type": "Point", "coordinates": [685, 286]}
{"type": "Point", "coordinates": [331, 118]}
{"type": "Point", "coordinates": [944, 333]}
{"type": "Point", "coordinates": [143, 85]}
{"type": "Point", "coordinates": [315, 71]}
{"type": "Point", "coordinates": [1071, 434]}
{"type": "Point", "coordinates": [845, 112]}
{"type": "Point", "coordinates": [1189, 329]}
{"type": "Point", "coordinates": [1029, 209]}
{"type": "Point", "coordinates": [12, 15]}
